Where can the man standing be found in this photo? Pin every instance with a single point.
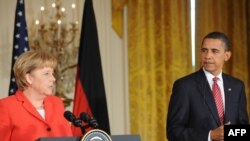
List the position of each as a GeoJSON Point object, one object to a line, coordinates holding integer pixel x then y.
{"type": "Point", "coordinates": [202, 102]}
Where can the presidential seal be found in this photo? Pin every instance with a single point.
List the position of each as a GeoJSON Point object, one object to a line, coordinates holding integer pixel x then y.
{"type": "Point", "coordinates": [96, 135]}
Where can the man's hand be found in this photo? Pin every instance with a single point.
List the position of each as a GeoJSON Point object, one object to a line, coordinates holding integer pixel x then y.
{"type": "Point", "coordinates": [218, 133]}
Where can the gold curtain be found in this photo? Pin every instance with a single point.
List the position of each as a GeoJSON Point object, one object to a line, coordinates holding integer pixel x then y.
{"type": "Point", "coordinates": [117, 16]}
{"type": "Point", "coordinates": [159, 53]}
{"type": "Point", "coordinates": [230, 17]}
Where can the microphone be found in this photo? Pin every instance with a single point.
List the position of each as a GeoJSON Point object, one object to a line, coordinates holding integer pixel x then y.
{"type": "Point", "coordinates": [88, 119]}
{"type": "Point", "coordinates": [72, 118]}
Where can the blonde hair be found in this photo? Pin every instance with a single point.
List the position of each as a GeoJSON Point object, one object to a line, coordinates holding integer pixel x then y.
{"type": "Point", "coordinates": [29, 61]}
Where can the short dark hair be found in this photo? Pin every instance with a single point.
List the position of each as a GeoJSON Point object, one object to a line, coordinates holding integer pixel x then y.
{"type": "Point", "coordinates": [219, 35]}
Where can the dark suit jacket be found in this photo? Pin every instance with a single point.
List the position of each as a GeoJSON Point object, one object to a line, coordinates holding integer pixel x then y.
{"type": "Point", "coordinates": [192, 111]}
{"type": "Point", "coordinates": [19, 120]}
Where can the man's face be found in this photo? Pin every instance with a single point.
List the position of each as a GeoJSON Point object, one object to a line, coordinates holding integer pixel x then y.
{"type": "Point", "coordinates": [213, 55]}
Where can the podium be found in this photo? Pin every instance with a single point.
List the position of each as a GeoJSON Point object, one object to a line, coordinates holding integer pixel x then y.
{"type": "Point", "coordinates": [113, 137]}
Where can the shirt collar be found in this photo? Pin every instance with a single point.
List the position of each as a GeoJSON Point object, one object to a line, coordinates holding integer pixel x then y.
{"type": "Point", "coordinates": [211, 76]}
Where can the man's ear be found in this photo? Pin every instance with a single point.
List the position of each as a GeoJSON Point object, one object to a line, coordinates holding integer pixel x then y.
{"type": "Point", "coordinates": [227, 55]}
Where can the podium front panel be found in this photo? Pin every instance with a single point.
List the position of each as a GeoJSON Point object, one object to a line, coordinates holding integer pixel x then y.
{"type": "Point", "coordinates": [59, 139]}
{"type": "Point", "coordinates": [113, 137]}
{"type": "Point", "coordinates": [125, 138]}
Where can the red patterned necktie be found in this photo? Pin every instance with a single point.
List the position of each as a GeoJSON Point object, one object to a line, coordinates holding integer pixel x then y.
{"type": "Point", "coordinates": [218, 100]}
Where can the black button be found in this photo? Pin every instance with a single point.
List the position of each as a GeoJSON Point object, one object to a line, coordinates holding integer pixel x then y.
{"type": "Point", "coordinates": [48, 129]}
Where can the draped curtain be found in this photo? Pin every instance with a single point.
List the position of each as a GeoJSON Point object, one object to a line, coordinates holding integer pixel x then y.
{"type": "Point", "coordinates": [159, 49]}
{"type": "Point", "coordinates": [232, 18]}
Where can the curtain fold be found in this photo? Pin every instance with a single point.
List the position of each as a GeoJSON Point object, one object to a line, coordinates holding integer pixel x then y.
{"type": "Point", "coordinates": [159, 53]}
{"type": "Point", "coordinates": [117, 16]}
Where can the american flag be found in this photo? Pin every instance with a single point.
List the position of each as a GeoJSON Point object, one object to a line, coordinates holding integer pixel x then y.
{"type": "Point", "coordinates": [20, 40]}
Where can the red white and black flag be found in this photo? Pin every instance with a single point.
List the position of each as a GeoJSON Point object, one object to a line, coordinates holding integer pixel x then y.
{"type": "Point", "coordinates": [90, 94]}
{"type": "Point", "coordinates": [20, 40]}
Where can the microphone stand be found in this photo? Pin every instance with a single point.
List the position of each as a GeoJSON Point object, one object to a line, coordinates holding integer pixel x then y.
{"type": "Point", "coordinates": [78, 123]}
{"type": "Point", "coordinates": [83, 128]}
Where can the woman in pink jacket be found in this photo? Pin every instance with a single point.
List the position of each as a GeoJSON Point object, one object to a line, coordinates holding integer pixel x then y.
{"type": "Point", "coordinates": [33, 112]}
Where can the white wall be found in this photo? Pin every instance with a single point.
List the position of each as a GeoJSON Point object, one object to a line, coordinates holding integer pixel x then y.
{"type": "Point", "coordinates": [113, 54]}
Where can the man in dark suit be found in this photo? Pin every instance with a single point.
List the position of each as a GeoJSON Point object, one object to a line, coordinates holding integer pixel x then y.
{"type": "Point", "coordinates": [194, 112]}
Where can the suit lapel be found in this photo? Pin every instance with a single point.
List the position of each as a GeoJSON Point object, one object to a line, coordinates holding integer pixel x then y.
{"type": "Point", "coordinates": [206, 92]}
{"type": "Point", "coordinates": [28, 106]}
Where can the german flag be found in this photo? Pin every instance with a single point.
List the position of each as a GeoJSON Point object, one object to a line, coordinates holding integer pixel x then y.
{"type": "Point", "coordinates": [90, 94]}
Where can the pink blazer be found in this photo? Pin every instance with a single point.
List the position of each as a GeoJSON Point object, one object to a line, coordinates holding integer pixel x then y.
{"type": "Point", "coordinates": [20, 121]}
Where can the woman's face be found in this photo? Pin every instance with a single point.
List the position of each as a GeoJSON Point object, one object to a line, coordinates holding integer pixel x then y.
{"type": "Point", "coordinates": [41, 80]}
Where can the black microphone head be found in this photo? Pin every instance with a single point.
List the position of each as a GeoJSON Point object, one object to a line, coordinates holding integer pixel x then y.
{"type": "Point", "coordinates": [72, 118]}
{"type": "Point", "coordinates": [93, 123]}
{"type": "Point", "coordinates": [84, 117]}
{"type": "Point", "coordinates": [69, 116]}
{"type": "Point", "coordinates": [88, 119]}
